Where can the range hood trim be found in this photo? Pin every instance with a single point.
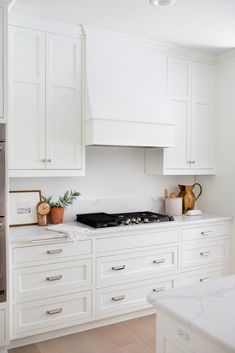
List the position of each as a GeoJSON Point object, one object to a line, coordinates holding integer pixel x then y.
{"type": "Point", "coordinates": [105, 132]}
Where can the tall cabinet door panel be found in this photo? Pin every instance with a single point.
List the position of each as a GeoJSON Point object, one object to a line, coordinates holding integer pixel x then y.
{"type": "Point", "coordinates": [202, 116]}
{"type": "Point", "coordinates": [63, 94]}
{"type": "Point", "coordinates": [178, 157]}
{"type": "Point", "coordinates": [179, 81]}
{"type": "Point", "coordinates": [3, 60]}
{"type": "Point", "coordinates": [1, 63]}
{"type": "Point", "coordinates": [27, 99]}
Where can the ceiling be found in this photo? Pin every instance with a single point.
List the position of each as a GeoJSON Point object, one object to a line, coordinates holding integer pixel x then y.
{"type": "Point", "coordinates": [203, 24]}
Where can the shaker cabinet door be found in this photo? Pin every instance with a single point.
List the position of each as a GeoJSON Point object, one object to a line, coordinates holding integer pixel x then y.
{"type": "Point", "coordinates": [27, 98]}
{"type": "Point", "coordinates": [1, 63]}
{"type": "Point", "coordinates": [202, 117]}
{"type": "Point", "coordinates": [179, 72]}
{"type": "Point", "coordinates": [63, 94]}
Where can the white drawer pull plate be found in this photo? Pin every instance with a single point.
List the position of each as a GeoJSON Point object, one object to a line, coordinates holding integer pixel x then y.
{"type": "Point", "coordinates": [204, 279]}
{"type": "Point", "coordinates": [54, 278]}
{"type": "Point", "coordinates": [160, 261]}
{"type": "Point", "coordinates": [116, 299]}
{"type": "Point", "coordinates": [118, 268]}
{"type": "Point", "coordinates": [206, 233]}
{"type": "Point", "coordinates": [54, 311]}
{"type": "Point", "coordinates": [55, 251]}
{"type": "Point", "coordinates": [205, 253]}
{"type": "Point", "coordinates": [160, 289]}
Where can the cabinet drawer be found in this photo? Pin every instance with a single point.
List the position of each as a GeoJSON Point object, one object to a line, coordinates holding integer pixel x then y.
{"type": "Point", "coordinates": [50, 252]}
{"type": "Point", "coordinates": [205, 232]}
{"type": "Point", "coordinates": [121, 299]}
{"type": "Point", "coordinates": [204, 253]}
{"type": "Point", "coordinates": [129, 267]}
{"type": "Point", "coordinates": [194, 277]}
{"type": "Point", "coordinates": [136, 241]}
{"type": "Point", "coordinates": [47, 314]}
{"type": "Point", "coordinates": [44, 280]}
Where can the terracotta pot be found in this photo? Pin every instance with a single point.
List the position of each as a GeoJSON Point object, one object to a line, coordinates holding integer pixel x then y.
{"type": "Point", "coordinates": [57, 215]}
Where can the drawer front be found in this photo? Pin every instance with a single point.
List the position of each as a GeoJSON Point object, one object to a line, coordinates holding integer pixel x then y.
{"type": "Point", "coordinates": [136, 241]}
{"type": "Point", "coordinates": [44, 280]}
{"type": "Point", "coordinates": [50, 252]}
{"type": "Point", "coordinates": [204, 253]}
{"type": "Point", "coordinates": [43, 315]}
{"type": "Point", "coordinates": [206, 232]}
{"type": "Point", "coordinates": [201, 276]}
{"type": "Point", "coordinates": [129, 267]}
{"type": "Point", "coordinates": [121, 299]}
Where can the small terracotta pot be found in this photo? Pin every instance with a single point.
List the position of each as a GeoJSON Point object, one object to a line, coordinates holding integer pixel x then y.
{"type": "Point", "coordinates": [57, 215]}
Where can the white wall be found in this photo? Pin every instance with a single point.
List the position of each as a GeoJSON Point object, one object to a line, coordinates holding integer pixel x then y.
{"type": "Point", "coordinates": [115, 181]}
{"type": "Point", "coordinates": [219, 190]}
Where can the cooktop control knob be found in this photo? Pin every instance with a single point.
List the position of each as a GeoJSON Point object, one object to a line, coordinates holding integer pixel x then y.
{"type": "Point", "coordinates": [133, 220]}
{"type": "Point", "coordinates": [127, 221]}
{"type": "Point", "coordinates": [146, 220]}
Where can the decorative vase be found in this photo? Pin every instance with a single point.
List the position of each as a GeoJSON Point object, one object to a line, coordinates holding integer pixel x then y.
{"type": "Point", "coordinates": [57, 215]}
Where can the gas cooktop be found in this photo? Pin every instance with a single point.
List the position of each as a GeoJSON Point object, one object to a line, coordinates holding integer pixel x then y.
{"type": "Point", "coordinates": [102, 220]}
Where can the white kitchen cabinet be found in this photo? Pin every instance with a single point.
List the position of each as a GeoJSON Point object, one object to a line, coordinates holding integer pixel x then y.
{"type": "Point", "coordinates": [108, 274]}
{"type": "Point", "coordinates": [190, 89]}
{"type": "Point", "coordinates": [27, 99]}
{"type": "Point", "coordinates": [63, 102]}
{"type": "Point", "coordinates": [45, 102]}
{"type": "Point", "coordinates": [3, 59]}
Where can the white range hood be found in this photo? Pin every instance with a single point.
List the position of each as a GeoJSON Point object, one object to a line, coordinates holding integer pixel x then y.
{"type": "Point", "coordinates": [126, 92]}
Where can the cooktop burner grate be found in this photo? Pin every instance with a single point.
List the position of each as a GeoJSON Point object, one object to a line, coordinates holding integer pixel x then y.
{"type": "Point", "coordinates": [102, 220]}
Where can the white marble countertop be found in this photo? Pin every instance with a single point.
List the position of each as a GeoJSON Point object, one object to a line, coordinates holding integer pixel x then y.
{"type": "Point", "coordinates": [31, 233]}
{"type": "Point", "coordinates": [208, 308]}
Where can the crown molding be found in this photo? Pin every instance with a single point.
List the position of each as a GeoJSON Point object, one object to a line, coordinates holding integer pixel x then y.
{"type": "Point", "coordinates": [44, 24]}
{"type": "Point", "coordinates": [226, 55]}
{"type": "Point", "coordinates": [169, 48]}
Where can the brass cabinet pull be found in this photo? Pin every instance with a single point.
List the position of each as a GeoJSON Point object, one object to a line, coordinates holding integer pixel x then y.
{"type": "Point", "coordinates": [43, 160]}
{"type": "Point", "coordinates": [193, 162]}
{"type": "Point", "coordinates": [116, 299]}
{"type": "Point", "coordinates": [160, 289]}
{"type": "Point", "coordinates": [160, 261]}
{"type": "Point", "coordinates": [54, 278]}
{"type": "Point", "coordinates": [206, 233]}
{"type": "Point", "coordinates": [118, 268]}
{"type": "Point", "coordinates": [204, 279]}
{"type": "Point", "coordinates": [205, 253]}
{"type": "Point", "coordinates": [55, 251]}
{"type": "Point", "coordinates": [54, 311]}
{"type": "Point", "coordinates": [49, 160]}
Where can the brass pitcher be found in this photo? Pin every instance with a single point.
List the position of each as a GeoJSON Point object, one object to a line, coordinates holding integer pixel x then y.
{"type": "Point", "coordinates": [189, 198]}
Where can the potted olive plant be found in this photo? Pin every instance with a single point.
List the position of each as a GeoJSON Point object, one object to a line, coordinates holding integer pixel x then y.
{"type": "Point", "coordinates": [58, 207]}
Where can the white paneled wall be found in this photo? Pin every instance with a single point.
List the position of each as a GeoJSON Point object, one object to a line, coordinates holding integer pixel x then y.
{"type": "Point", "coordinates": [115, 181]}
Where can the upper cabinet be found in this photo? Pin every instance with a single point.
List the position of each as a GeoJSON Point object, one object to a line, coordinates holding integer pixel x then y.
{"type": "Point", "coordinates": [3, 59]}
{"type": "Point", "coordinates": [45, 103]}
{"type": "Point", "coordinates": [190, 90]}
{"type": "Point", "coordinates": [127, 102]}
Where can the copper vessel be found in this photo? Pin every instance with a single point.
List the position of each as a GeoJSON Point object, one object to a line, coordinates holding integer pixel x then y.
{"type": "Point", "coordinates": [188, 196]}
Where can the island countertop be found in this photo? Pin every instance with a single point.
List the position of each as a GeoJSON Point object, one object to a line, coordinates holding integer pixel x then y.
{"type": "Point", "coordinates": [207, 308]}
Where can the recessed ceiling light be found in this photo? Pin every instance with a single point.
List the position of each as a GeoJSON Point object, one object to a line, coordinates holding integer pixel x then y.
{"type": "Point", "coordinates": [162, 3]}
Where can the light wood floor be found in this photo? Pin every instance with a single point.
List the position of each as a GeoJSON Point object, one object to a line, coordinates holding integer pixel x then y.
{"type": "Point", "coordinates": [132, 336]}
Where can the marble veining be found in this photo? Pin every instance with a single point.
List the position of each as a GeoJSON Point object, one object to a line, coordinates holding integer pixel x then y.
{"type": "Point", "coordinates": [206, 307]}
{"type": "Point", "coordinates": [27, 233]}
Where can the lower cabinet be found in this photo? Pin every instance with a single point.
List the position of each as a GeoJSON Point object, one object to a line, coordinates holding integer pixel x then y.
{"type": "Point", "coordinates": [193, 277]}
{"type": "Point", "coordinates": [60, 284]}
{"type": "Point", "coordinates": [121, 299]}
{"type": "Point", "coordinates": [58, 312]}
